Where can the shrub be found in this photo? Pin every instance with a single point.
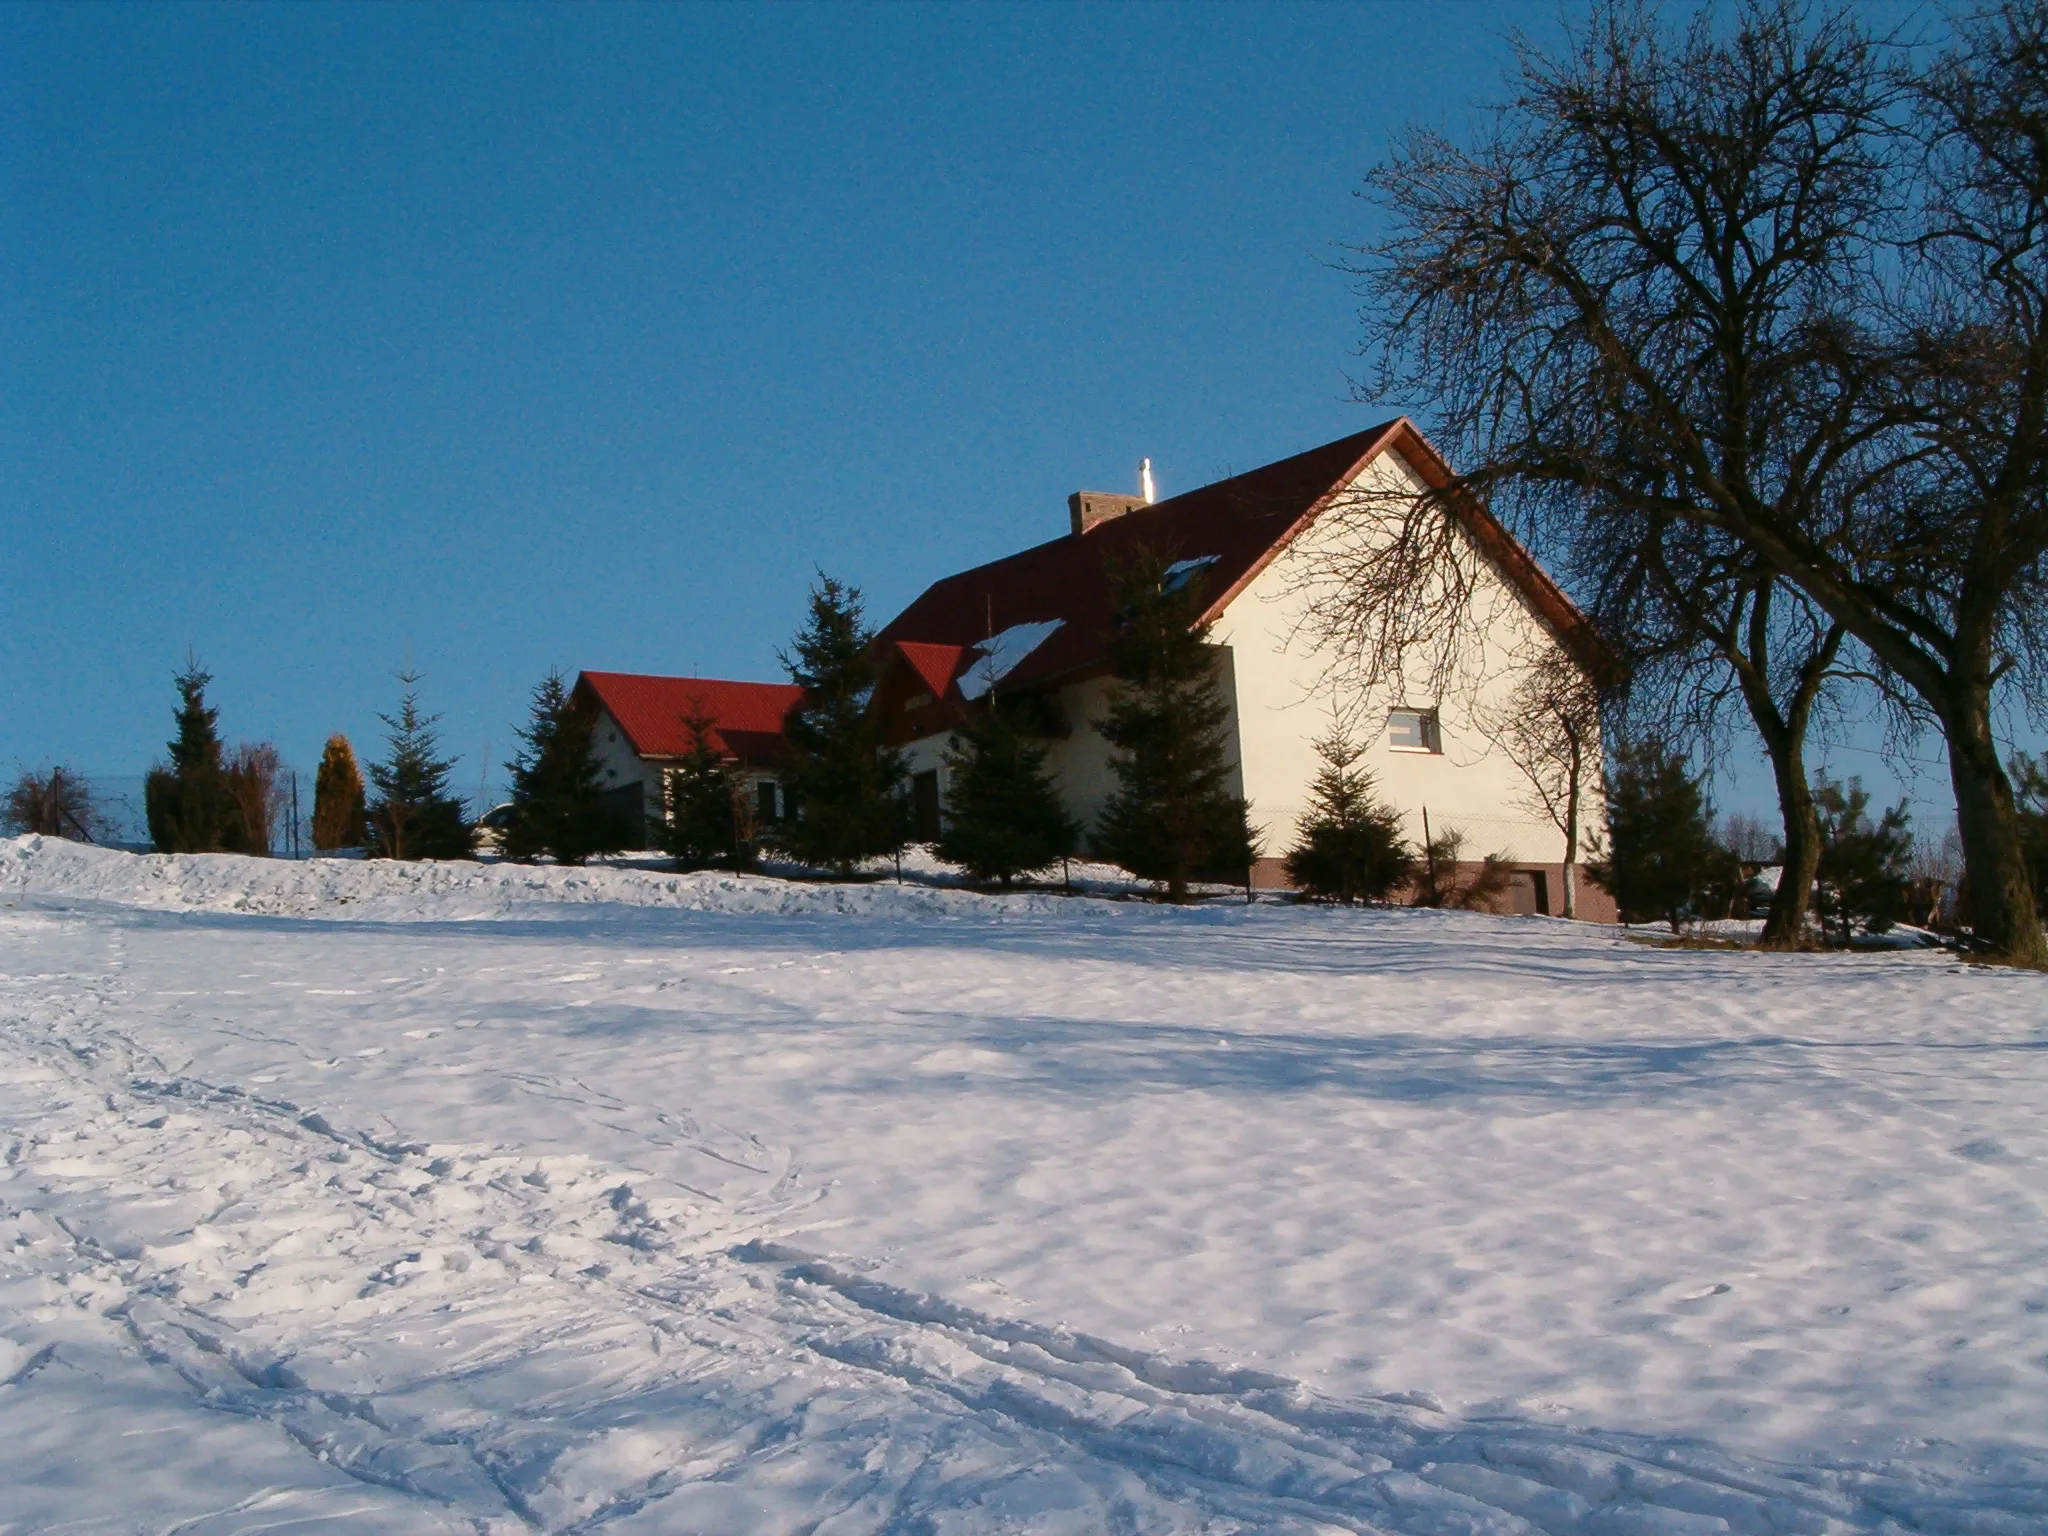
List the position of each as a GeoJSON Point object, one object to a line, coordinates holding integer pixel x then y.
{"type": "Point", "coordinates": [338, 811]}
{"type": "Point", "coordinates": [1004, 816]}
{"type": "Point", "coordinates": [54, 802]}
{"type": "Point", "coordinates": [1348, 845]}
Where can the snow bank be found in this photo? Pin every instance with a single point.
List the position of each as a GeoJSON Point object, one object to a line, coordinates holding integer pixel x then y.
{"type": "Point", "coordinates": [459, 891]}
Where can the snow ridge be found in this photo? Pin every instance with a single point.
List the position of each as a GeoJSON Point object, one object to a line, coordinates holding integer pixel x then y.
{"type": "Point", "coordinates": [458, 891]}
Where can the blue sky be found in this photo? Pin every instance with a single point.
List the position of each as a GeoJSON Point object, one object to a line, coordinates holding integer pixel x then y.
{"type": "Point", "coordinates": [486, 340]}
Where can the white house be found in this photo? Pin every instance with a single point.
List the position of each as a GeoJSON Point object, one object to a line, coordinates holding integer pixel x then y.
{"type": "Point", "coordinates": [647, 725]}
{"type": "Point", "coordinates": [1037, 624]}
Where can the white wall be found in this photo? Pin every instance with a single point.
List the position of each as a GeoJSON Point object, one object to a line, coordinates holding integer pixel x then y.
{"type": "Point", "coordinates": [1287, 699]}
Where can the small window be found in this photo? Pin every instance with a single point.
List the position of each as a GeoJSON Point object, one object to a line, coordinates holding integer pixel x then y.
{"type": "Point", "coordinates": [1414, 730]}
{"type": "Point", "coordinates": [764, 802]}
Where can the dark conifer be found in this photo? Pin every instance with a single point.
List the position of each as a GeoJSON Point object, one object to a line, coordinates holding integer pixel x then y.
{"type": "Point", "coordinates": [558, 792]}
{"type": "Point", "coordinates": [1004, 817]}
{"type": "Point", "coordinates": [708, 826]}
{"type": "Point", "coordinates": [1172, 818]}
{"type": "Point", "coordinates": [2030, 795]}
{"type": "Point", "coordinates": [187, 802]}
{"type": "Point", "coordinates": [338, 813]}
{"type": "Point", "coordinates": [1865, 866]}
{"type": "Point", "coordinates": [846, 783]}
{"type": "Point", "coordinates": [1349, 845]}
{"type": "Point", "coordinates": [1661, 855]}
{"type": "Point", "coordinates": [413, 816]}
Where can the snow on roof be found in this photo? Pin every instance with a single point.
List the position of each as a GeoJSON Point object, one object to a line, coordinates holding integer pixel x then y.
{"type": "Point", "coordinates": [1000, 655]}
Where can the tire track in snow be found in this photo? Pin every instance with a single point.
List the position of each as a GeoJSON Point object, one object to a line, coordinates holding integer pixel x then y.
{"type": "Point", "coordinates": [590, 1354]}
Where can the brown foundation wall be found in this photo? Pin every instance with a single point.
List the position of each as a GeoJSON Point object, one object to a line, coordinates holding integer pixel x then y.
{"type": "Point", "coordinates": [1538, 890]}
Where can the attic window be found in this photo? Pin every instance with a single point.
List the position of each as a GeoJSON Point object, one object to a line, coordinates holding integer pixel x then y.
{"type": "Point", "coordinates": [1181, 572]}
{"type": "Point", "coordinates": [1414, 730]}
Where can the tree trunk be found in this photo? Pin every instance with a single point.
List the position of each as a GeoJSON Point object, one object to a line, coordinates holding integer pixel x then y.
{"type": "Point", "coordinates": [1571, 842]}
{"type": "Point", "coordinates": [1785, 926]}
{"type": "Point", "coordinates": [1995, 882]}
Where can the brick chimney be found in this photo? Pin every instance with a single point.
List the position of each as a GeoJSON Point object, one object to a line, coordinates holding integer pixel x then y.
{"type": "Point", "coordinates": [1093, 508]}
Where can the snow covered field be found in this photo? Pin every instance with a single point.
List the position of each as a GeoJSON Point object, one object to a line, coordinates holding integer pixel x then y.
{"type": "Point", "coordinates": [417, 1198]}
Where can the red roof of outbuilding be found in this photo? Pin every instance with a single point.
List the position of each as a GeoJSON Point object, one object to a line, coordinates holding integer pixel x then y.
{"type": "Point", "coordinates": [746, 718]}
{"type": "Point", "coordinates": [1236, 526]}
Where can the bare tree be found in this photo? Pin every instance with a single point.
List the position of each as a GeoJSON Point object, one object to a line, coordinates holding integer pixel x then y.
{"type": "Point", "coordinates": [1549, 728]}
{"type": "Point", "coordinates": [255, 785]}
{"type": "Point", "coordinates": [1705, 623]}
{"type": "Point", "coordinates": [54, 802]}
{"type": "Point", "coordinates": [1667, 284]}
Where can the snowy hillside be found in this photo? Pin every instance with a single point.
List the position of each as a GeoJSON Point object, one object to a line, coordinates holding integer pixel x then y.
{"type": "Point", "coordinates": [404, 1198]}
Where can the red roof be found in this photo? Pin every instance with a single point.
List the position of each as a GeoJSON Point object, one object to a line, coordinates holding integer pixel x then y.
{"type": "Point", "coordinates": [746, 718]}
{"type": "Point", "coordinates": [1236, 527]}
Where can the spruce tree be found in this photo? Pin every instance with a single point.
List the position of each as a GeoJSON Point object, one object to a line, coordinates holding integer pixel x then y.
{"type": "Point", "coordinates": [707, 825]}
{"type": "Point", "coordinates": [338, 813]}
{"type": "Point", "coordinates": [1172, 818]}
{"type": "Point", "coordinates": [413, 815]}
{"type": "Point", "coordinates": [1004, 817]}
{"type": "Point", "coordinates": [1865, 866]}
{"type": "Point", "coordinates": [846, 783]}
{"type": "Point", "coordinates": [558, 793]}
{"type": "Point", "coordinates": [1661, 853]}
{"type": "Point", "coordinates": [1348, 844]}
{"type": "Point", "coordinates": [2030, 796]}
{"type": "Point", "coordinates": [187, 802]}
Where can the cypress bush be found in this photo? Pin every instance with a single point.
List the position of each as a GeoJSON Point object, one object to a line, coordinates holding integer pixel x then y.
{"type": "Point", "coordinates": [338, 811]}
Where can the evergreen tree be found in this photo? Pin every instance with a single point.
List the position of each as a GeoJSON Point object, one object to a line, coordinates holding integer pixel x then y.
{"type": "Point", "coordinates": [2030, 794]}
{"type": "Point", "coordinates": [846, 783]}
{"type": "Point", "coordinates": [187, 802]}
{"type": "Point", "coordinates": [1171, 819]}
{"type": "Point", "coordinates": [708, 824]}
{"type": "Point", "coordinates": [1348, 845]}
{"type": "Point", "coordinates": [1004, 815]}
{"type": "Point", "coordinates": [338, 815]}
{"type": "Point", "coordinates": [1444, 881]}
{"type": "Point", "coordinates": [1865, 866]}
{"type": "Point", "coordinates": [1661, 852]}
{"type": "Point", "coordinates": [413, 815]}
{"type": "Point", "coordinates": [558, 793]}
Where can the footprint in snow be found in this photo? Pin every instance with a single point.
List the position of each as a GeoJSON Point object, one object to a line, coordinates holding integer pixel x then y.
{"type": "Point", "coordinates": [1718, 1288]}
